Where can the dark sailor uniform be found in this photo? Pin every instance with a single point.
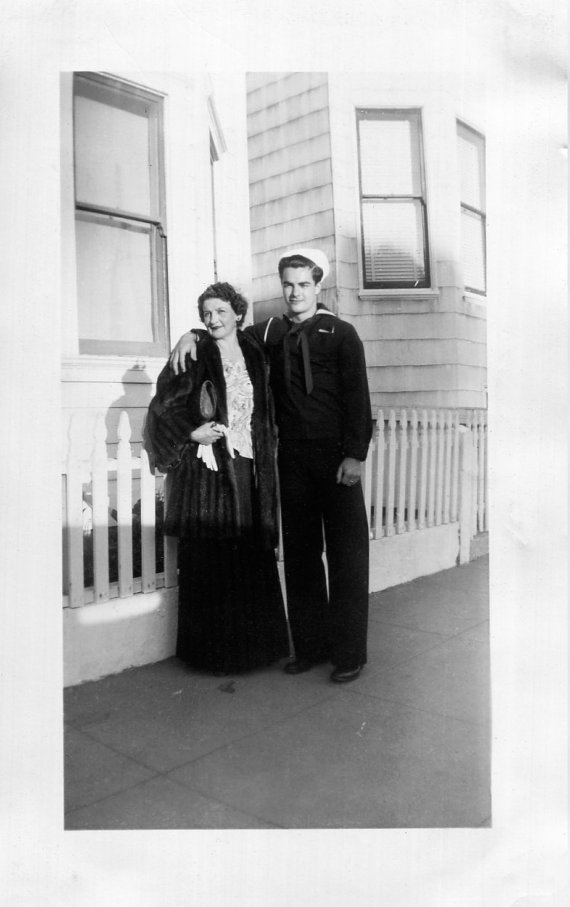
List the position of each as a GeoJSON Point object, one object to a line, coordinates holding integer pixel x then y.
{"type": "Point", "coordinates": [322, 403]}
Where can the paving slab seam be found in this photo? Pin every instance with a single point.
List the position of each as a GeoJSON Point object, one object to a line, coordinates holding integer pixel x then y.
{"type": "Point", "coordinates": [474, 627]}
{"type": "Point", "coordinates": [262, 729]}
{"type": "Point", "coordinates": [407, 658]}
{"type": "Point", "coordinates": [163, 772]}
{"type": "Point", "coordinates": [401, 626]}
{"type": "Point", "coordinates": [123, 755]}
{"type": "Point", "coordinates": [69, 812]}
{"type": "Point", "coordinates": [208, 795]}
{"type": "Point", "coordinates": [414, 708]}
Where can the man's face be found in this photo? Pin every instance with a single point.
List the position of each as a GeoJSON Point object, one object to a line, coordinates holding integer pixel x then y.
{"type": "Point", "coordinates": [300, 293]}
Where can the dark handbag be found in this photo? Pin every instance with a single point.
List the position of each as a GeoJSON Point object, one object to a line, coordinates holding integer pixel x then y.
{"type": "Point", "coordinates": [208, 401]}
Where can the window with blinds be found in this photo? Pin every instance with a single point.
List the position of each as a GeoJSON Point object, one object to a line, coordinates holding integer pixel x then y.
{"type": "Point", "coordinates": [471, 150]}
{"type": "Point", "coordinates": [395, 250]}
{"type": "Point", "coordinates": [119, 218]}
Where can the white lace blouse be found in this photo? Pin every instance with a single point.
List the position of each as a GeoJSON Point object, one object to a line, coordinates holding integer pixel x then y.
{"type": "Point", "coordinates": [239, 391]}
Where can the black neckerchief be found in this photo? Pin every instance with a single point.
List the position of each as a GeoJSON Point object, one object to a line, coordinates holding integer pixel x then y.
{"type": "Point", "coordinates": [300, 330]}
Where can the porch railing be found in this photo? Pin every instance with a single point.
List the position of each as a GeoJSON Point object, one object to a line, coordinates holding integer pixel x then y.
{"type": "Point", "coordinates": [412, 474]}
{"type": "Point", "coordinates": [424, 469]}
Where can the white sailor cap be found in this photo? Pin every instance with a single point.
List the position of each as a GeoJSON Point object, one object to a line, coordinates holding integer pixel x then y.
{"type": "Point", "coordinates": [315, 255]}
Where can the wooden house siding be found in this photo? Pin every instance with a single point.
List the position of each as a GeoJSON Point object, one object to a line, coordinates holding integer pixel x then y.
{"type": "Point", "coordinates": [311, 176]}
{"type": "Point", "coordinates": [290, 173]}
{"type": "Point", "coordinates": [266, 88]}
{"type": "Point", "coordinates": [425, 348]}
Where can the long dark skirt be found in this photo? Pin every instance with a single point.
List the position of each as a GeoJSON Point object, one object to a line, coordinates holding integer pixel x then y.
{"type": "Point", "coordinates": [231, 616]}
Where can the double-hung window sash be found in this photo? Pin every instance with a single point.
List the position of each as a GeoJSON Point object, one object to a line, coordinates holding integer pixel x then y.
{"type": "Point", "coordinates": [395, 251]}
{"type": "Point", "coordinates": [471, 148]}
{"type": "Point", "coordinates": [119, 218]}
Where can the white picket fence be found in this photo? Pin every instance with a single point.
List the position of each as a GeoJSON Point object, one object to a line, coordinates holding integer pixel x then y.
{"type": "Point", "coordinates": [424, 470]}
{"type": "Point", "coordinates": [87, 527]}
{"type": "Point", "coordinates": [413, 471]}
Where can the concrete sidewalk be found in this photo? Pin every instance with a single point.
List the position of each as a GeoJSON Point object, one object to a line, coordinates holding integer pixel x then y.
{"type": "Point", "coordinates": [406, 745]}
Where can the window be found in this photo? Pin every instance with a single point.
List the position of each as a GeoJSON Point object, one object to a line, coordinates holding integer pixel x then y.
{"type": "Point", "coordinates": [471, 149]}
{"type": "Point", "coordinates": [119, 218]}
{"type": "Point", "coordinates": [213, 158]}
{"type": "Point", "coordinates": [392, 199]}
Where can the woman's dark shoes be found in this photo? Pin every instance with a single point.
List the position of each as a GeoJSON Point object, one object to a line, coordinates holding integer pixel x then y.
{"type": "Point", "coordinates": [345, 675]}
{"type": "Point", "coordinates": [299, 666]}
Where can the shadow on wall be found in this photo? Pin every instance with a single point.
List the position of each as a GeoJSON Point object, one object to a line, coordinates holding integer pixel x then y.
{"type": "Point", "coordinates": [136, 396]}
{"type": "Point", "coordinates": [134, 401]}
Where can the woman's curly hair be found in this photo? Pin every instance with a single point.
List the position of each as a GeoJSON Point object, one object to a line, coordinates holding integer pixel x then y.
{"type": "Point", "coordinates": [226, 292]}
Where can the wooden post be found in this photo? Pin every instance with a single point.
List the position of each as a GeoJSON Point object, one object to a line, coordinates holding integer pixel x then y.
{"type": "Point", "coordinates": [74, 517]}
{"type": "Point", "coordinates": [466, 472]}
{"type": "Point", "coordinates": [100, 513]}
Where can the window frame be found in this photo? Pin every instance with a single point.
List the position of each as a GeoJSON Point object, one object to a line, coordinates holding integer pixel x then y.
{"type": "Point", "coordinates": [133, 98]}
{"type": "Point", "coordinates": [214, 158]}
{"type": "Point", "coordinates": [408, 287]}
{"type": "Point", "coordinates": [477, 138]}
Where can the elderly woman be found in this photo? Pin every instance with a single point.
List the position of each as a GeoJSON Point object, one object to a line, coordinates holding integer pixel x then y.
{"type": "Point", "coordinates": [212, 429]}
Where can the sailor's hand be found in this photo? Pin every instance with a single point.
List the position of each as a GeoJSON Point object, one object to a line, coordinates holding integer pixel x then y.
{"type": "Point", "coordinates": [348, 472]}
{"type": "Point", "coordinates": [186, 344]}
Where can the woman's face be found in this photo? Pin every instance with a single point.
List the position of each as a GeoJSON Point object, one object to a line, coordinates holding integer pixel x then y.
{"type": "Point", "coordinates": [219, 318]}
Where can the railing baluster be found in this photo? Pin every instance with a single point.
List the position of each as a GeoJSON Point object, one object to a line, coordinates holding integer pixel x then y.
{"type": "Point", "coordinates": [440, 434]}
{"type": "Point", "coordinates": [379, 496]}
{"type": "Point", "coordinates": [432, 465]}
{"type": "Point", "coordinates": [402, 473]}
{"type": "Point", "coordinates": [475, 477]}
{"type": "Point", "coordinates": [413, 471]}
{"type": "Point", "coordinates": [424, 441]}
{"type": "Point", "coordinates": [486, 481]}
{"type": "Point", "coordinates": [100, 491]}
{"type": "Point", "coordinates": [392, 443]}
{"type": "Point", "coordinates": [125, 507]}
{"type": "Point", "coordinates": [455, 469]}
{"type": "Point", "coordinates": [367, 485]}
{"type": "Point", "coordinates": [481, 474]}
{"type": "Point", "coordinates": [447, 467]}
